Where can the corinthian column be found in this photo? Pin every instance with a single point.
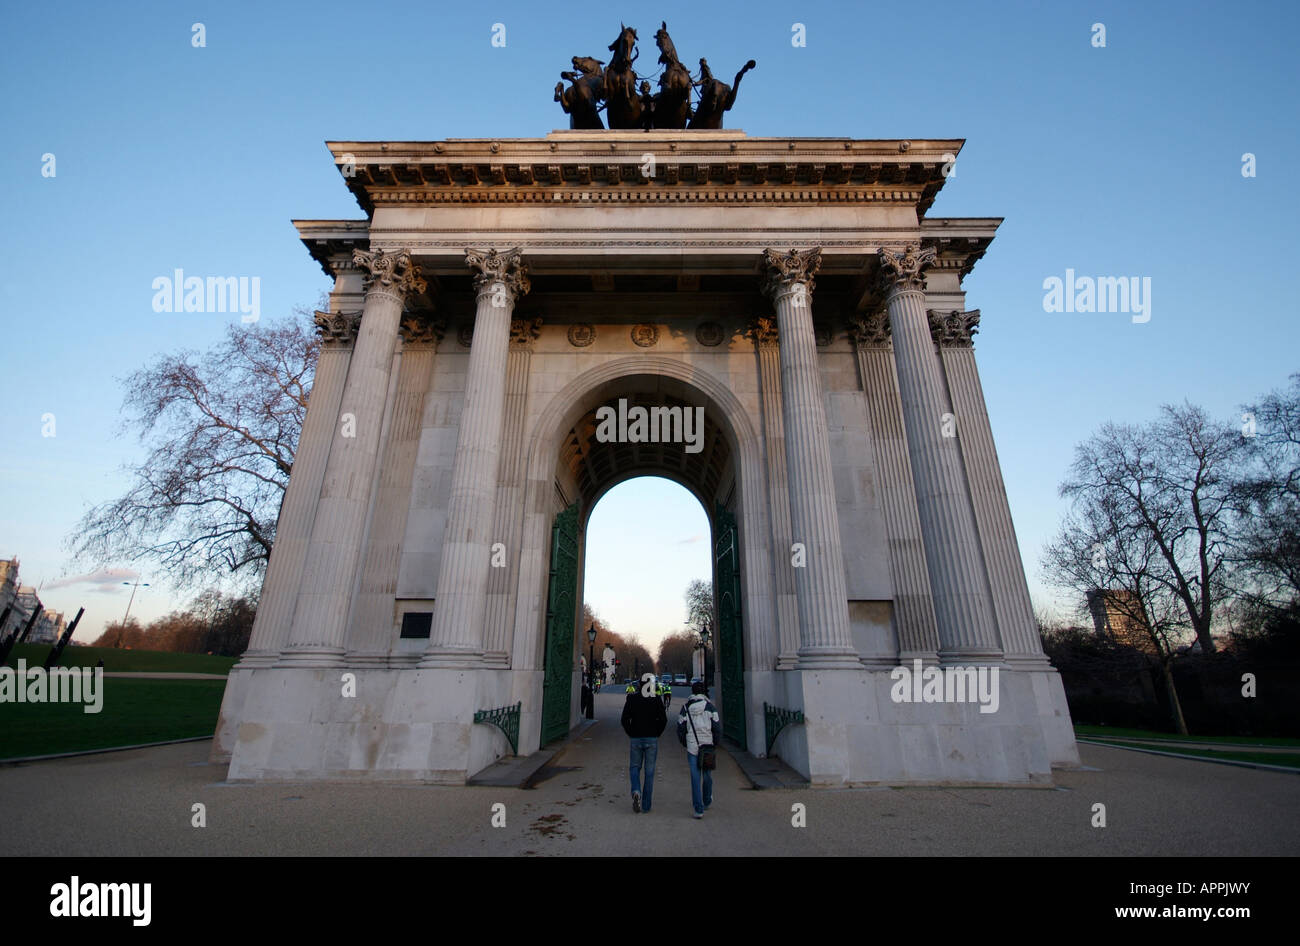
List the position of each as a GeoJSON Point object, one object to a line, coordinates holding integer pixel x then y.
{"type": "Point", "coordinates": [338, 533]}
{"type": "Point", "coordinates": [825, 640]}
{"type": "Point", "coordinates": [456, 639]}
{"type": "Point", "coordinates": [293, 528]}
{"type": "Point", "coordinates": [952, 553]}
{"type": "Point", "coordinates": [507, 520]}
{"type": "Point", "coordinates": [1017, 626]}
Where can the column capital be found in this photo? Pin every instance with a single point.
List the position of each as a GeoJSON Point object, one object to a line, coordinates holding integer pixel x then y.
{"type": "Point", "coordinates": [763, 330]}
{"type": "Point", "coordinates": [422, 330]}
{"type": "Point", "coordinates": [870, 330]}
{"type": "Point", "coordinates": [902, 268]}
{"type": "Point", "coordinates": [395, 273]}
{"type": "Point", "coordinates": [790, 272]}
{"type": "Point", "coordinates": [954, 329]}
{"type": "Point", "coordinates": [507, 269]}
{"type": "Point", "coordinates": [337, 328]}
{"type": "Point", "coordinates": [523, 332]}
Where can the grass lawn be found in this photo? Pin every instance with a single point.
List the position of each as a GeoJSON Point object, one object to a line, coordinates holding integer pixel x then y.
{"type": "Point", "coordinates": [1286, 760]}
{"type": "Point", "coordinates": [1101, 732]}
{"type": "Point", "coordinates": [115, 659]}
{"type": "Point", "coordinates": [133, 711]}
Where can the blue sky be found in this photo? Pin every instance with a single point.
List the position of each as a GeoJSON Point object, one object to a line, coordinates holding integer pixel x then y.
{"type": "Point", "coordinates": [1120, 161]}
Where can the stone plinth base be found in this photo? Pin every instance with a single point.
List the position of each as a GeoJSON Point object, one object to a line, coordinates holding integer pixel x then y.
{"type": "Point", "coordinates": [856, 734]}
{"type": "Point", "coordinates": [410, 724]}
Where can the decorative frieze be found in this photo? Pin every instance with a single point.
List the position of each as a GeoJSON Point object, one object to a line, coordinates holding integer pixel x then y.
{"type": "Point", "coordinates": [645, 335]}
{"type": "Point", "coordinates": [581, 334]}
{"type": "Point", "coordinates": [709, 334]}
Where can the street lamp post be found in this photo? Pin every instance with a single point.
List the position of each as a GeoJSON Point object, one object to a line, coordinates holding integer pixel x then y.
{"type": "Point", "coordinates": [706, 629]}
{"type": "Point", "coordinates": [591, 670]}
{"type": "Point", "coordinates": [134, 586]}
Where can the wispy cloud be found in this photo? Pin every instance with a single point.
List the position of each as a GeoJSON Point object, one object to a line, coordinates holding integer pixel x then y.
{"type": "Point", "coordinates": [103, 579]}
{"type": "Point", "coordinates": [698, 537]}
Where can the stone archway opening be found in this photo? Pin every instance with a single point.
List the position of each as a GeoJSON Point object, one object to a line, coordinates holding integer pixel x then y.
{"type": "Point", "coordinates": [632, 426]}
{"type": "Point", "coordinates": [646, 539]}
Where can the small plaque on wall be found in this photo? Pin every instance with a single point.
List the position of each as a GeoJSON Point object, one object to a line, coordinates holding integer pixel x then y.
{"type": "Point", "coordinates": [417, 623]}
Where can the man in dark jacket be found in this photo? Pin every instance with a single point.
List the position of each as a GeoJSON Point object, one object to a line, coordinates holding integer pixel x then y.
{"type": "Point", "coordinates": [644, 720]}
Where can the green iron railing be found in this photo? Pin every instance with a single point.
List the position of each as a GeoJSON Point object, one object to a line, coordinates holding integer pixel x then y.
{"type": "Point", "coordinates": [775, 719]}
{"type": "Point", "coordinates": [506, 719]}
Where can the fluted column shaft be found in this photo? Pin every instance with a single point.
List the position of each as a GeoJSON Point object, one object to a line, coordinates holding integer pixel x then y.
{"type": "Point", "coordinates": [961, 600]}
{"type": "Point", "coordinates": [371, 639]}
{"type": "Point", "coordinates": [330, 570]}
{"type": "Point", "coordinates": [293, 528]}
{"type": "Point", "coordinates": [508, 514]}
{"type": "Point", "coordinates": [913, 606]}
{"type": "Point", "coordinates": [457, 638]}
{"type": "Point", "coordinates": [1011, 604]}
{"type": "Point", "coordinates": [786, 603]}
{"type": "Point", "coordinates": [825, 639]}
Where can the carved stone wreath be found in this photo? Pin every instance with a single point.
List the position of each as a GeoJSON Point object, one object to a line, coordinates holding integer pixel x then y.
{"type": "Point", "coordinates": [582, 334]}
{"type": "Point", "coordinates": [465, 334]}
{"type": "Point", "coordinates": [709, 334]}
{"type": "Point", "coordinates": [644, 335]}
{"type": "Point", "coordinates": [822, 334]}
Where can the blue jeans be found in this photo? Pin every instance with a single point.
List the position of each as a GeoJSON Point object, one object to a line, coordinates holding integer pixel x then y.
{"type": "Point", "coordinates": [701, 795]}
{"type": "Point", "coordinates": [645, 750]}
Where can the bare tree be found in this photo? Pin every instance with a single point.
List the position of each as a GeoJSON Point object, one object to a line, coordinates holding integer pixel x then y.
{"type": "Point", "coordinates": [1113, 567]}
{"type": "Point", "coordinates": [1269, 499]}
{"type": "Point", "coordinates": [221, 428]}
{"type": "Point", "coordinates": [675, 652]}
{"type": "Point", "coordinates": [1167, 489]}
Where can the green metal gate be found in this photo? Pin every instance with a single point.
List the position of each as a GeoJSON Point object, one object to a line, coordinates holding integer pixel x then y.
{"type": "Point", "coordinates": [561, 612]}
{"type": "Point", "coordinates": [730, 637]}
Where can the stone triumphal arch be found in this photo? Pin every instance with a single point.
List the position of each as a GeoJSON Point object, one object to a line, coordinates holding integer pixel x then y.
{"type": "Point", "coordinates": [419, 616]}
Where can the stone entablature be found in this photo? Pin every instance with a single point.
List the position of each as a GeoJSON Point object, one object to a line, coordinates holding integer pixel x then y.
{"type": "Point", "coordinates": [701, 166]}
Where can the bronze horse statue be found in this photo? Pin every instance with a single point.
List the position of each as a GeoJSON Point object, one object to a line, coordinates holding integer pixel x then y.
{"type": "Point", "coordinates": [629, 105]}
{"type": "Point", "coordinates": [581, 101]}
{"type": "Point", "coordinates": [672, 106]}
{"type": "Point", "coordinates": [623, 104]}
{"type": "Point", "coordinates": [716, 97]}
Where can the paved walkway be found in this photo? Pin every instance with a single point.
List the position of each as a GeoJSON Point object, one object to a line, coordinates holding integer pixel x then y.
{"type": "Point", "coordinates": [139, 802]}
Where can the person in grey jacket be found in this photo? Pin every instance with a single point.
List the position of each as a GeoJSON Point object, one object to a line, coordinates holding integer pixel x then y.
{"type": "Point", "coordinates": [698, 724]}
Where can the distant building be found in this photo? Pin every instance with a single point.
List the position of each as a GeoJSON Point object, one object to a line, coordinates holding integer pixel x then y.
{"type": "Point", "coordinates": [8, 591]}
{"type": "Point", "coordinates": [1120, 615]}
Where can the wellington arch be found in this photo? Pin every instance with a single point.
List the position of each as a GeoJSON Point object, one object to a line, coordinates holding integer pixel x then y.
{"type": "Point", "coordinates": [419, 618]}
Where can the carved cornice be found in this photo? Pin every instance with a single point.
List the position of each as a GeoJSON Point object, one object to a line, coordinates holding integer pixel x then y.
{"type": "Point", "coordinates": [337, 328]}
{"type": "Point", "coordinates": [524, 332]}
{"type": "Point", "coordinates": [954, 329]}
{"type": "Point", "coordinates": [505, 269]}
{"type": "Point", "coordinates": [422, 330]}
{"type": "Point", "coordinates": [389, 272]}
{"type": "Point", "coordinates": [612, 166]}
{"type": "Point", "coordinates": [764, 332]}
{"type": "Point", "coordinates": [902, 269]}
{"type": "Point", "coordinates": [870, 330]}
{"type": "Point", "coordinates": [784, 272]}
